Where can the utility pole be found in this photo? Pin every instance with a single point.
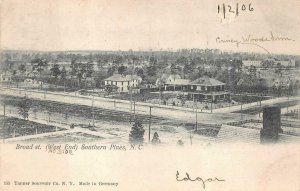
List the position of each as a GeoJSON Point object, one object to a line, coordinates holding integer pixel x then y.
{"type": "Point", "coordinates": [93, 111]}
{"type": "Point", "coordinates": [240, 82]}
{"type": "Point", "coordinates": [211, 94]}
{"type": "Point", "coordinates": [173, 94]}
{"type": "Point", "coordinates": [241, 107]}
{"type": "Point", "coordinates": [4, 121]}
{"type": "Point", "coordinates": [130, 90]}
{"type": "Point", "coordinates": [159, 86]}
{"type": "Point", "coordinates": [150, 122]}
{"type": "Point", "coordinates": [64, 85]}
{"type": "Point", "coordinates": [134, 109]}
{"type": "Point", "coordinates": [193, 101]}
{"type": "Point", "coordinates": [196, 118]}
{"type": "Point", "coordinates": [260, 105]}
{"type": "Point", "coordinates": [260, 97]}
{"type": "Point", "coordinates": [288, 103]}
{"type": "Point", "coordinates": [191, 138]}
{"type": "Point", "coordinates": [196, 109]}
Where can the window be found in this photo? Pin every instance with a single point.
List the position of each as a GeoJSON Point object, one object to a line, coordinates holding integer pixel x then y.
{"type": "Point", "coordinates": [122, 83]}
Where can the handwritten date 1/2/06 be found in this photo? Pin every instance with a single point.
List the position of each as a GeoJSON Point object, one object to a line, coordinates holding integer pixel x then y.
{"type": "Point", "coordinates": [234, 9]}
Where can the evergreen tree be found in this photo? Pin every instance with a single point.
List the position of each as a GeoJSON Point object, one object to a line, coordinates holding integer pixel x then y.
{"type": "Point", "coordinates": [111, 70]}
{"type": "Point", "coordinates": [137, 133]}
{"type": "Point", "coordinates": [22, 69]}
{"type": "Point", "coordinates": [39, 65]}
{"type": "Point", "coordinates": [122, 70]}
{"type": "Point", "coordinates": [155, 139]}
{"type": "Point", "coordinates": [55, 71]}
{"type": "Point", "coordinates": [63, 76]}
{"type": "Point", "coordinates": [117, 60]}
{"type": "Point", "coordinates": [89, 70]}
{"type": "Point", "coordinates": [63, 73]}
{"type": "Point", "coordinates": [180, 142]}
{"type": "Point", "coordinates": [23, 107]}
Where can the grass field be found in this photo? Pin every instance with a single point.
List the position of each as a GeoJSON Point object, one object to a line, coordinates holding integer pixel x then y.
{"type": "Point", "coordinates": [11, 127]}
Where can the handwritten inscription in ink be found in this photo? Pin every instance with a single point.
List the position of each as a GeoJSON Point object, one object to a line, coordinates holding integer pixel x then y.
{"type": "Point", "coordinates": [234, 9]}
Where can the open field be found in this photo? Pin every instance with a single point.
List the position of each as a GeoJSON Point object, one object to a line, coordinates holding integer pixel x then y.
{"type": "Point", "coordinates": [14, 127]}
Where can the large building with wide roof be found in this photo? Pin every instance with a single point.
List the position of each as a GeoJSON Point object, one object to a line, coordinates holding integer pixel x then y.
{"type": "Point", "coordinates": [207, 89]}
{"type": "Point", "coordinates": [201, 89]}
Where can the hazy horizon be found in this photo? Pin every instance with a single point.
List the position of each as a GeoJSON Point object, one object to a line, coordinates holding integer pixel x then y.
{"type": "Point", "coordinates": [169, 25]}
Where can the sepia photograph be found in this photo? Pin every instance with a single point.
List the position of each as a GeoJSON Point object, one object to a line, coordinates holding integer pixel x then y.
{"type": "Point", "coordinates": [94, 85]}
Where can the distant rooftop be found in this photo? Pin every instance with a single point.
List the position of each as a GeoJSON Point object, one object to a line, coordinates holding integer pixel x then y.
{"type": "Point", "coordinates": [123, 78]}
{"type": "Point", "coordinates": [207, 81]}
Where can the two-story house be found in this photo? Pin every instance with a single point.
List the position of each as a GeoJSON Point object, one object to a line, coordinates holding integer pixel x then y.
{"type": "Point", "coordinates": [207, 89]}
{"type": "Point", "coordinates": [124, 82]}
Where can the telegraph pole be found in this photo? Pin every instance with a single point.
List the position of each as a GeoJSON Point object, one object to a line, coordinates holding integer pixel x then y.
{"type": "Point", "coordinates": [159, 85]}
{"type": "Point", "coordinates": [150, 122]}
{"type": "Point", "coordinates": [260, 96]}
{"type": "Point", "coordinates": [211, 94]}
{"type": "Point", "coordinates": [130, 90]}
{"type": "Point", "coordinates": [240, 82]}
{"type": "Point", "coordinates": [93, 111]}
{"type": "Point", "coordinates": [241, 107]}
{"type": "Point", "coordinates": [64, 86]}
{"type": "Point", "coordinates": [196, 118]}
{"type": "Point", "coordinates": [4, 121]}
{"type": "Point", "coordinates": [134, 109]}
{"type": "Point", "coordinates": [193, 101]}
{"type": "Point", "coordinates": [288, 103]}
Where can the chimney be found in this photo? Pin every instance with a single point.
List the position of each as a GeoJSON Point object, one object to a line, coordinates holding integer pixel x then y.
{"type": "Point", "coordinates": [271, 125]}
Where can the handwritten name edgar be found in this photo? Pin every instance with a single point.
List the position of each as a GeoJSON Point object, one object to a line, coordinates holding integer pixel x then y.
{"type": "Point", "coordinates": [199, 179]}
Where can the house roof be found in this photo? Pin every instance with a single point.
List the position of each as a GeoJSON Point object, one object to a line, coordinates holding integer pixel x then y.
{"type": "Point", "coordinates": [122, 78]}
{"type": "Point", "coordinates": [164, 77]}
{"type": "Point", "coordinates": [181, 82]}
{"type": "Point", "coordinates": [207, 81]}
{"type": "Point", "coordinates": [8, 74]}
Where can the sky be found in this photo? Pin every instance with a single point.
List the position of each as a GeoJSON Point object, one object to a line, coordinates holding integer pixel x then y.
{"type": "Point", "coordinates": [147, 24]}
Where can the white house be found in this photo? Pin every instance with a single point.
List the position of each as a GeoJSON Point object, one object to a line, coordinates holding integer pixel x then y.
{"type": "Point", "coordinates": [249, 63]}
{"type": "Point", "coordinates": [5, 77]}
{"type": "Point", "coordinates": [167, 79]}
{"type": "Point", "coordinates": [32, 81]}
{"type": "Point", "coordinates": [288, 63]}
{"type": "Point", "coordinates": [259, 64]}
{"type": "Point", "coordinates": [123, 82]}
